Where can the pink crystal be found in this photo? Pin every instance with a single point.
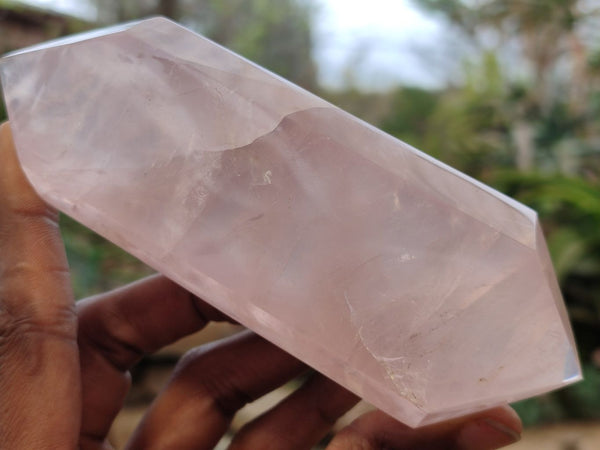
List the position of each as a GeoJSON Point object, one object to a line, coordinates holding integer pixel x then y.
{"type": "Point", "coordinates": [423, 291]}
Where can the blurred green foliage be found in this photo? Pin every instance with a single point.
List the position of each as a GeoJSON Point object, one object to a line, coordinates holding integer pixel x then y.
{"type": "Point", "coordinates": [276, 34]}
{"type": "Point", "coordinates": [273, 34]}
{"type": "Point", "coordinates": [96, 264]}
{"type": "Point", "coordinates": [525, 122]}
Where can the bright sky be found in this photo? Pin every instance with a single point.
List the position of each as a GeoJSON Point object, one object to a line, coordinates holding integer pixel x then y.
{"type": "Point", "coordinates": [67, 6]}
{"type": "Point", "coordinates": [382, 41]}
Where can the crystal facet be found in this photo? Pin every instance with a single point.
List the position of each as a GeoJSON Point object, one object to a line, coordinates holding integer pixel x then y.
{"type": "Point", "coordinates": [423, 291]}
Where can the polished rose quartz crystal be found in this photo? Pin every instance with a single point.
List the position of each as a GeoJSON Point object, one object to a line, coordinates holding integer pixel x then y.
{"type": "Point", "coordinates": [420, 289]}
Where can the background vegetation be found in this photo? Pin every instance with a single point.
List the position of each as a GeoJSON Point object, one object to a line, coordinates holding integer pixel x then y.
{"type": "Point", "coordinates": [523, 117]}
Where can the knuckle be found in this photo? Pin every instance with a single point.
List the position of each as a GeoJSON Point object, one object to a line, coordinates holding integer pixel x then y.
{"type": "Point", "coordinates": [108, 331]}
{"type": "Point", "coordinates": [325, 416]}
{"type": "Point", "coordinates": [34, 210]}
{"type": "Point", "coordinates": [19, 325]}
{"type": "Point", "coordinates": [213, 381]}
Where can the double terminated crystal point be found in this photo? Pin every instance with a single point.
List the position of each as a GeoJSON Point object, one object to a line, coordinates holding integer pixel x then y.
{"type": "Point", "coordinates": [423, 291]}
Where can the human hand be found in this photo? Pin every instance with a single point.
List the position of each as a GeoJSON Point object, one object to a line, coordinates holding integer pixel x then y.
{"type": "Point", "coordinates": [64, 368]}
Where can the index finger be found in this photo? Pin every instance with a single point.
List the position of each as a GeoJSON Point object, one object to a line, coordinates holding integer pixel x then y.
{"type": "Point", "coordinates": [39, 367]}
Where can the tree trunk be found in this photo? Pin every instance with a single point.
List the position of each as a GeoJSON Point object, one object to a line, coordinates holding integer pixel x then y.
{"type": "Point", "coordinates": [523, 138]}
{"type": "Point", "coordinates": [168, 8]}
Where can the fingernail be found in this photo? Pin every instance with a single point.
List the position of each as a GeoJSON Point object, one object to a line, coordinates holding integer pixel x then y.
{"type": "Point", "coordinates": [486, 434]}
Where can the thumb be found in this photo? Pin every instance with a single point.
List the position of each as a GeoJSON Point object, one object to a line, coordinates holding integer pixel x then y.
{"type": "Point", "coordinates": [39, 366]}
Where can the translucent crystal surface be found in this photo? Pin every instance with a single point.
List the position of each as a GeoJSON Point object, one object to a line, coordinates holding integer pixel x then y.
{"type": "Point", "coordinates": [418, 288]}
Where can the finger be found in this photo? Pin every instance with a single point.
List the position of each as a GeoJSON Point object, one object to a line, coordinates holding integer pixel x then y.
{"type": "Point", "coordinates": [317, 405]}
{"type": "Point", "coordinates": [487, 430]}
{"type": "Point", "coordinates": [39, 376]}
{"type": "Point", "coordinates": [208, 387]}
{"type": "Point", "coordinates": [117, 329]}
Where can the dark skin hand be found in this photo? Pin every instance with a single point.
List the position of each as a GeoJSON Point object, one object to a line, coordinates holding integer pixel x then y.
{"type": "Point", "coordinates": [64, 368]}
